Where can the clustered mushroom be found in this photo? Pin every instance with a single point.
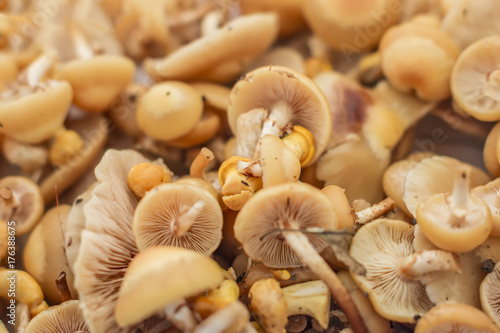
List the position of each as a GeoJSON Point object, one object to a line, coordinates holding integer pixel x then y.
{"type": "Point", "coordinates": [245, 166]}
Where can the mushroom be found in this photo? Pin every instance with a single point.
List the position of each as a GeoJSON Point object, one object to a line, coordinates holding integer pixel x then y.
{"type": "Point", "coordinates": [292, 206]}
{"type": "Point", "coordinates": [8, 68]}
{"type": "Point", "coordinates": [283, 56]}
{"type": "Point", "coordinates": [490, 151]}
{"type": "Point", "coordinates": [65, 146]}
{"type": "Point", "coordinates": [489, 292]}
{"type": "Point", "coordinates": [489, 193]}
{"type": "Point", "coordinates": [66, 317]}
{"type": "Point", "coordinates": [169, 110]}
{"type": "Point", "coordinates": [44, 255]}
{"type": "Point", "coordinates": [455, 317]}
{"type": "Point", "coordinates": [31, 158]}
{"type": "Point", "coordinates": [21, 201]}
{"type": "Point", "coordinates": [205, 129]}
{"type": "Point", "coordinates": [269, 305]}
{"type": "Point", "coordinates": [179, 215]}
{"type": "Point", "coordinates": [122, 111]}
{"type": "Point", "coordinates": [217, 298]}
{"type": "Point", "coordinates": [419, 57]}
{"type": "Point", "coordinates": [351, 27]}
{"type": "Point", "coordinates": [143, 291]}
{"type": "Point", "coordinates": [248, 36]}
{"type": "Point", "coordinates": [145, 176]}
{"type": "Point", "coordinates": [475, 79]}
{"type": "Point", "coordinates": [456, 222]}
{"type": "Point", "coordinates": [232, 318]}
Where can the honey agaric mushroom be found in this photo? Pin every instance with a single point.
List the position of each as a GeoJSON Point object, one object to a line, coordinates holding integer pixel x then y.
{"type": "Point", "coordinates": [44, 255]}
{"type": "Point", "coordinates": [489, 292]}
{"type": "Point", "coordinates": [419, 57]}
{"type": "Point", "coordinates": [169, 110]}
{"type": "Point", "coordinates": [205, 129]}
{"type": "Point", "coordinates": [434, 175]}
{"type": "Point", "coordinates": [341, 206]}
{"type": "Point", "coordinates": [21, 201]}
{"type": "Point", "coordinates": [475, 80]}
{"type": "Point", "coordinates": [145, 176]}
{"type": "Point", "coordinates": [107, 243]}
{"type": "Point", "coordinates": [248, 36]}
{"type": "Point", "coordinates": [489, 193]}
{"type": "Point", "coordinates": [143, 293]}
{"type": "Point", "coordinates": [33, 110]}
{"type": "Point", "coordinates": [456, 222]}
{"type": "Point", "coordinates": [454, 317]}
{"type": "Point", "coordinates": [292, 206]}
{"type": "Point", "coordinates": [269, 305]}
{"type": "Point", "coordinates": [66, 317]}
{"type": "Point", "coordinates": [178, 215]}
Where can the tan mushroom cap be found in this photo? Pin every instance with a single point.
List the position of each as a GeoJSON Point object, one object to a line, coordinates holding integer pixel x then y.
{"type": "Point", "coordinates": [179, 215]}
{"type": "Point", "coordinates": [215, 95]}
{"type": "Point", "coordinates": [44, 255]}
{"type": "Point", "coordinates": [288, 96]}
{"type": "Point", "coordinates": [455, 317]}
{"type": "Point", "coordinates": [284, 56]}
{"type": "Point", "coordinates": [35, 117]}
{"type": "Point", "coordinates": [159, 276]}
{"type": "Point", "coordinates": [419, 57]}
{"type": "Point", "coordinates": [226, 51]}
{"type": "Point", "coordinates": [97, 82]}
{"type": "Point", "coordinates": [489, 292]}
{"type": "Point", "coordinates": [270, 209]}
{"type": "Point", "coordinates": [169, 110]}
{"type": "Point", "coordinates": [21, 201]}
{"type": "Point", "coordinates": [64, 318]}
{"type": "Point", "coordinates": [489, 193]}
{"type": "Point", "coordinates": [351, 26]}
{"type": "Point", "coordinates": [475, 81]}
{"type": "Point", "coordinates": [379, 246]}
{"type": "Point", "coordinates": [491, 151]}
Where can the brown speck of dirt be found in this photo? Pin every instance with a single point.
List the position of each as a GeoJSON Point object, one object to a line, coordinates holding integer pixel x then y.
{"type": "Point", "coordinates": [488, 266]}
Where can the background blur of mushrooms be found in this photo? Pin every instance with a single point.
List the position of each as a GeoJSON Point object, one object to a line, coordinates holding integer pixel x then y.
{"type": "Point", "coordinates": [154, 155]}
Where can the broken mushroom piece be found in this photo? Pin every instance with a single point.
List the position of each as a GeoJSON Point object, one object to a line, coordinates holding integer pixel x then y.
{"type": "Point", "coordinates": [292, 206]}
{"type": "Point", "coordinates": [231, 48]}
{"type": "Point", "coordinates": [178, 215]}
{"type": "Point", "coordinates": [145, 176]}
{"type": "Point", "coordinates": [489, 292]}
{"type": "Point", "coordinates": [269, 305]}
{"type": "Point", "coordinates": [418, 57]}
{"type": "Point", "coordinates": [457, 222]}
{"type": "Point", "coordinates": [232, 318]}
{"type": "Point", "coordinates": [143, 293]}
{"type": "Point", "coordinates": [475, 81]}
{"type": "Point", "coordinates": [454, 317]}
{"type": "Point", "coordinates": [66, 317]}
{"type": "Point", "coordinates": [21, 201]}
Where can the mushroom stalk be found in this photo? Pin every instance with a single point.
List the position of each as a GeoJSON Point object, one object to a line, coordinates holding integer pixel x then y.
{"type": "Point", "coordinates": [186, 218]}
{"type": "Point", "coordinates": [421, 263]}
{"type": "Point", "coordinates": [181, 316]}
{"type": "Point", "coordinates": [62, 287]}
{"type": "Point", "coordinates": [459, 196]}
{"type": "Point", "coordinates": [251, 168]}
{"type": "Point", "coordinates": [277, 120]}
{"type": "Point", "coordinates": [200, 163]}
{"type": "Point", "coordinates": [37, 69]}
{"type": "Point", "coordinates": [82, 48]}
{"type": "Point", "coordinates": [305, 251]}
{"type": "Point", "coordinates": [369, 214]}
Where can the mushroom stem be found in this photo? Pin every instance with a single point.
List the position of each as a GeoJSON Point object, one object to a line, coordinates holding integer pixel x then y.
{"type": "Point", "coordinates": [418, 264]}
{"type": "Point", "coordinates": [62, 287]}
{"type": "Point", "coordinates": [305, 251]}
{"type": "Point", "coordinates": [82, 48]}
{"type": "Point", "coordinates": [460, 191]}
{"type": "Point", "coordinates": [181, 316]}
{"type": "Point", "coordinates": [200, 163]}
{"type": "Point", "coordinates": [186, 218]}
{"type": "Point", "coordinates": [369, 214]}
{"type": "Point", "coordinates": [37, 69]}
{"type": "Point", "coordinates": [251, 168]}
{"type": "Point", "coordinates": [277, 119]}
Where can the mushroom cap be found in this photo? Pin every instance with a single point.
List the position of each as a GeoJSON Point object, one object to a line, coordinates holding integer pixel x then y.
{"type": "Point", "coordinates": [44, 255]}
{"type": "Point", "coordinates": [226, 51]}
{"type": "Point", "coordinates": [351, 26]}
{"type": "Point", "coordinates": [419, 57]}
{"type": "Point", "coordinates": [489, 292]}
{"type": "Point", "coordinates": [476, 78]}
{"type": "Point", "coordinates": [30, 203]}
{"type": "Point", "coordinates": [284, 56]}
{"type": "Point", "coordinates": [267, 87]}
{"type": "Point", "coordinates": [269, 208]}
{"type": "Point", "coordinates": [489, 193]}
{"type": "Point", "coordinates": [159, 276]}
{"type": "Point", "coordinates": [66, 317]}
{"type": "Point", "coordinates": [490, 151]}
{"type": "Point", "coordinates": [8, 68]}
{"type": "Point", "coordinates": [454, 317]}
{"type": "Point", "coordinates": [379, 246]}
{"type": "Point", "coordinates": [215, 95]}
{"type": "Point", "coordinates": [434, 175]}
{"type": "Point", "coordinates": [98, 81]}
{"type": "Point", "coordinates": [169, 110]}
{"type": "Point", "coordinates": [36, 117]}
{"type": "Point", "coordinates": [162, 206]}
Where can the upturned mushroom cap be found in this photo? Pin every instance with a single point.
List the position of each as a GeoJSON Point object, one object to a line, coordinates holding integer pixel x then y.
{"type": "Point", "coordinates": [288, 96]}
{"type": "Point", "coordinates": [64, 318]}
{"type": "Point", "coordinates": [143, 292]}
{"type": "Point", "coordinates": [44, 255]}
{"type": "Point", "coordinates": [169, 110]}
{"type": "Point", "coordinates": [475, 80]}
{"type": "Point", "coordinates": [179, 215]}
{"type": "Point", "coordinates": [228, 50]}
{"type": "Point", "coordinates": [379, 246]}
{"type": "Point", "coordinates": [269, 209]}
{"type": "Point", "coordinates": [35, 117]}
{"type": "Point", "coordinates": [489, 193]}
{"type": "Point", "coordinates": [489, 292]}
{"type": "Point", "coordinates": [351, 26]}
{"type": "Point", "coordinates": [21, 201]}
{"type": "Point", "coordinates": [455, 317]}
{"type": "Point", "coordinates": [97, 82]}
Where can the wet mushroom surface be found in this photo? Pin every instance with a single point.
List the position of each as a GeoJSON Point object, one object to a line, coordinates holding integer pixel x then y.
{"type": "Point", "coordinates": [245, 166]}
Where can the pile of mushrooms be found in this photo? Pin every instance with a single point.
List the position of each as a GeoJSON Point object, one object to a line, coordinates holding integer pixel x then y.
{"type": "Point", "coordinates": [245, 166]}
